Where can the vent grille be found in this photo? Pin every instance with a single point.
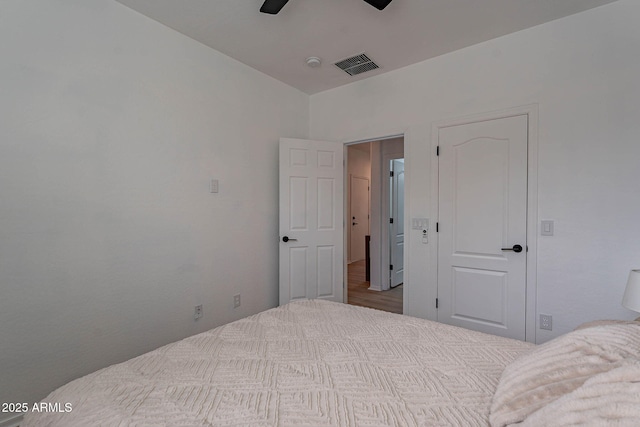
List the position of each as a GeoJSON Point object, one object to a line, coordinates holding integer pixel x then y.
{"type": "Point", "coordinates": [357, 64]}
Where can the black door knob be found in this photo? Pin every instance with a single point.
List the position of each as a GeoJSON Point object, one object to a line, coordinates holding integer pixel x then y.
{"type": "Point", "coordinates": [287, 239]}
{"type": "Point", "coordinates": [515, 248]}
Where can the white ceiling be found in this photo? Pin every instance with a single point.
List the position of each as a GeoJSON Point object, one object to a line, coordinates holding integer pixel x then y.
{"type": "Point", "coordinates": [406, 32]}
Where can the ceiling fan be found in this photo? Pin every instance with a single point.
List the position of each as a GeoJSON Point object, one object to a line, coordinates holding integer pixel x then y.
{"type": "Point", "coordinates": [273, 6]}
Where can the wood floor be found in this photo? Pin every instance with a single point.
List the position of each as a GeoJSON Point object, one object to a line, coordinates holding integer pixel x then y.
{"type": "Point", "coordinates": [359, 293]}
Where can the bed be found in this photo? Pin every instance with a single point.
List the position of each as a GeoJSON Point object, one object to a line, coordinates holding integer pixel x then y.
{"type": "Point", "coordinates": [315, 363]}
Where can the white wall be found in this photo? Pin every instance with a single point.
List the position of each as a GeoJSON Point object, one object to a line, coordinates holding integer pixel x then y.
{"type": "Point", "coordinates": [111, 126]}
{"type": "Point", "coordinates": [582, 71]}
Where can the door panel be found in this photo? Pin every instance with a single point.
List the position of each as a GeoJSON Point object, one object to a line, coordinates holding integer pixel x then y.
{"type": "Point", "coordinates": [326, 268]}
{"type": "Point", "coordinates": [326, 209]}
{"type": "Point", "coordinates": [299, 202]}
{"type": "Point", "coordinates": [311, 211]}
{"type": "Point", "coordinates": [479, 295]}
{"type": "Point", "coordinates": [483, 209]}
{"type": "Point", "coordinates": [298, 272]}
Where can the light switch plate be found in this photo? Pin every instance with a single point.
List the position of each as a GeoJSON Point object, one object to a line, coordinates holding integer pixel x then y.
{"type": "Point", "coordinates": [213, 186]}
{"type": "Point", "coordinates": [546, 228]}
{"type": "Point", "coordinates": [420, 223]}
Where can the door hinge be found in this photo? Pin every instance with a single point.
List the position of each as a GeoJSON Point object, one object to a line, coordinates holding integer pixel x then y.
{"type": "Point", "coordinates": [436, 302]}
{"type": "Point", "coordinates": [391, 174]}
{"type": "Point", "coordinates": [390, 220]}
{"type": "Point", "coordinates": [391, 267]}
{"type": "Point", "coordinates": [438, 150]}
{"type": "Point", "coordinates": [437, 227]}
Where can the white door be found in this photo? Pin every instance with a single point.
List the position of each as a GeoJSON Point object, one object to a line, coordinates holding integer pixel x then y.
{"type": "Point", "coordinates": [482, 221]}
{"type": "Point", "coordinates": [311, 220]}
{"type": "Point", "coordinates": [359, 208]}
{"type": "Point", "coordinates": [396, 237]}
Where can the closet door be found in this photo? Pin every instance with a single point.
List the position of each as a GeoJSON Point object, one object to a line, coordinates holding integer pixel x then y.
{"type": "Point", "coordinates": [482, 239]}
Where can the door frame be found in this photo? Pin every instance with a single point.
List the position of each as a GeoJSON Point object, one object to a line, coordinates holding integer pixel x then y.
{"type": "Point", "coordinates": [383, 226]}
{"type": "Point", "coordinates": [531, 111]}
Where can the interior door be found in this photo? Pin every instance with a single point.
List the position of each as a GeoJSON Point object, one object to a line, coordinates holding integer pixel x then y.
{"type": "Point", "coordinates": [359, 208]}
{"type": "Point", "coordinates": [482, 220]}
{"type": "Point", "coordinates": [311, 220]}
{"type": "Point", "coordinates": [396, 236]}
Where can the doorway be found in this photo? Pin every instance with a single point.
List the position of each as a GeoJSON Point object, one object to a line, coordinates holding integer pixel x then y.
{"type": "Point", "coordinates": [375, 224]}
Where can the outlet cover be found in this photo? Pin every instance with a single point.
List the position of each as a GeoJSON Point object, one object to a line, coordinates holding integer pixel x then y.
{"type": "Point", "coordinates": [236, 301]}
{"type": "Point", "coordinates": [197, 312]}
{"type": "Point", "coordinates": [546, 322]}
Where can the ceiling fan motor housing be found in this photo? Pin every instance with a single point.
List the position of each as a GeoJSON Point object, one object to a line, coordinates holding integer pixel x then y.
{"type": "Point", "coordinates": [272, 7]}
{"type": "Point", "coordinates": [379, 4]}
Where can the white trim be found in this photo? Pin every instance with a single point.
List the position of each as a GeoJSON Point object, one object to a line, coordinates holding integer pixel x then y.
{"type": "Point", "coordinates": [382, 138]}
{"type": "Point", "coordinates": [531, 111]}
{"type": "Point", "coordinates": [13, 421]}
{"type": "Point", "coordinates": [345, 215]}
{"type": "Point", "coordinates": [407, 286]}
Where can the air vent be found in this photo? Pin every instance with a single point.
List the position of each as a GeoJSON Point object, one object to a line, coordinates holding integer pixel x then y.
{"type": "Point", "coordinates": [356, 64]}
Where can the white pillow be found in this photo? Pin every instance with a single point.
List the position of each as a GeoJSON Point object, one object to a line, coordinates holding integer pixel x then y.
{"type": "Point", "coordinates": [559, 367]}
{"type": "Point", "coordinates": [606, 322]}
{"type": "Point", "coordinates": [608, 399]}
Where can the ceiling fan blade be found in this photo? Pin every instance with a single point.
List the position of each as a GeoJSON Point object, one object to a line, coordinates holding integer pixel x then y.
{"type": "Point", "coordinates": [379, 4]}
{"type": "Point", "coordinates": [272, 6]}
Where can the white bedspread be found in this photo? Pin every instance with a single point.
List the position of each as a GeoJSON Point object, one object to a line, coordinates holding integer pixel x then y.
{"type": "Point", "coordinates": [308, 363]}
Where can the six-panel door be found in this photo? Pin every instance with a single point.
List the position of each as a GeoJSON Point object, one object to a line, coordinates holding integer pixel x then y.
{"type": "Point", "coordinates": [311, 220]}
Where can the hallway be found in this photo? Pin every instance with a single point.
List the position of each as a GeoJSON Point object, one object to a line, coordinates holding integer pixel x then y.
{"type": "Point", "coordinates": [359, 293]}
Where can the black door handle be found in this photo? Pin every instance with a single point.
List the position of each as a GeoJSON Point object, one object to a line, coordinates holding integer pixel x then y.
{"type": "Point", "coordinates": [515, 248]}
{"type": "Point", "coordinates": [287, 239]}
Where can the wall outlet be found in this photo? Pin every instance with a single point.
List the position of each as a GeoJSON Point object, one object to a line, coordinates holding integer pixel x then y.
{"type": "Point", "coordinates": [236, 301]}
{"type": "Point", "coordinates": [546, 322]}
{"type": "Point", "coordinates": [197, 313]}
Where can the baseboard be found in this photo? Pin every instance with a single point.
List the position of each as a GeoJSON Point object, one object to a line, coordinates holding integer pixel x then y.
{"type": "Point", "coordinates": [12, 421]}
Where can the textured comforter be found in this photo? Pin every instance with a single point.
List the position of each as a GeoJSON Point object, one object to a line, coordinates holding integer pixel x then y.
{"type": "Point", "coordinates": [308, 363]}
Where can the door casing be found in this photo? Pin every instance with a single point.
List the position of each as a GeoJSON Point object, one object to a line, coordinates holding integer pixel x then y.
{"type": "Point", "coordinates": [378, 212]}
